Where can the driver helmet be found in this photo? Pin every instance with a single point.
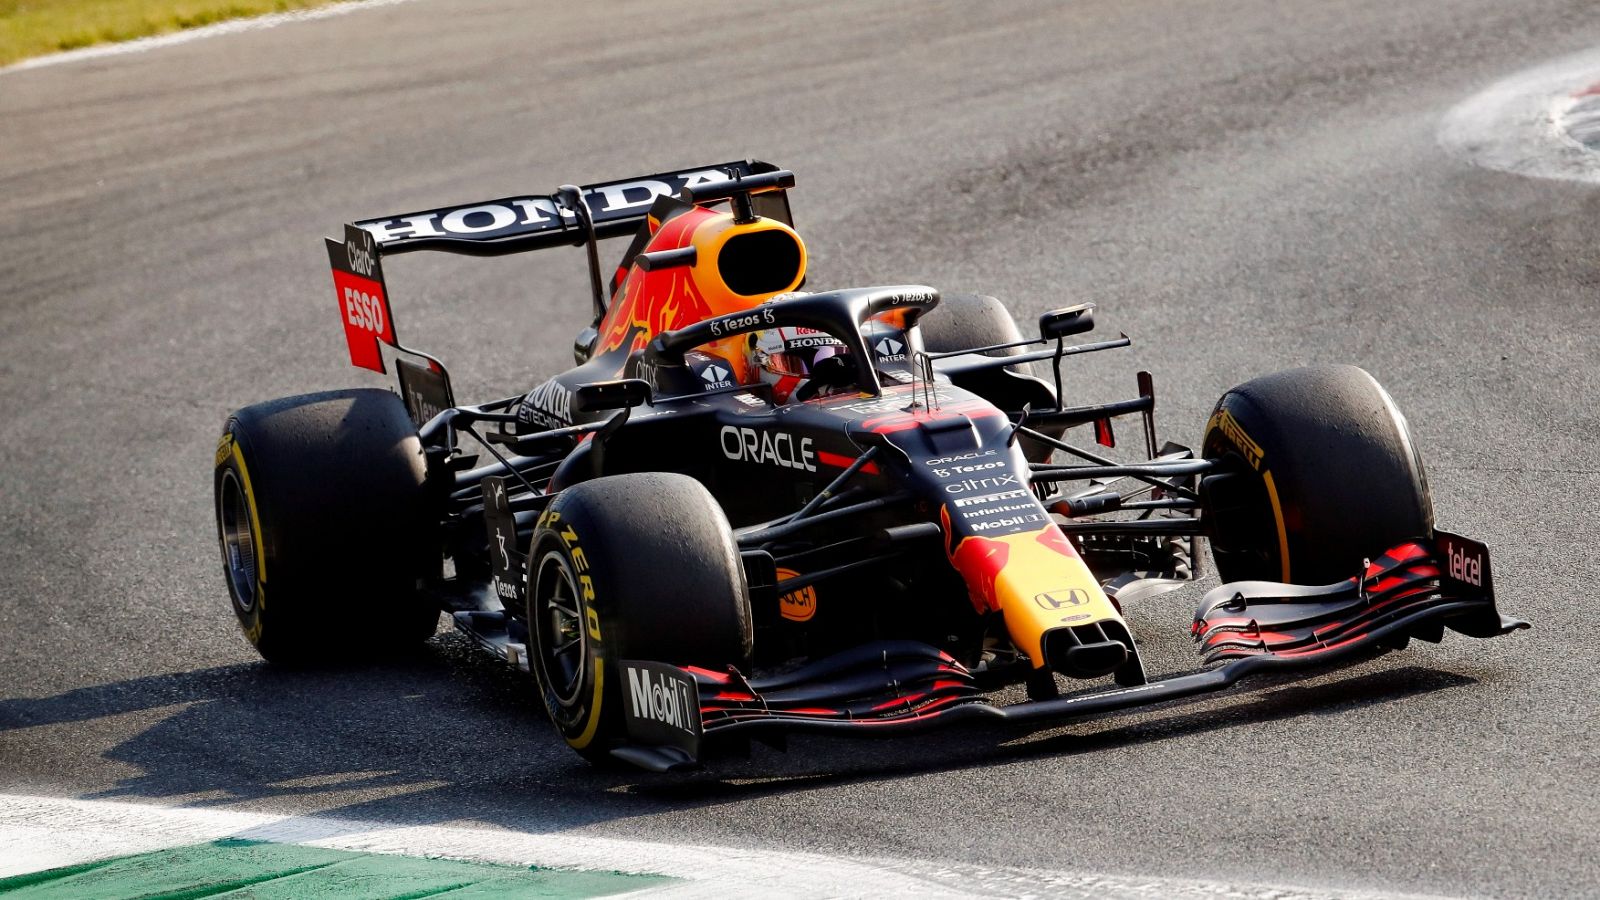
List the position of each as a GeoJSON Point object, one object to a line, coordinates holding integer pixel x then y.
{"type": "Point", "coordinates": [787, 356]}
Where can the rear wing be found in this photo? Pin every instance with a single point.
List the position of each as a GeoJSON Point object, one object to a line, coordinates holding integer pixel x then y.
{"type": "Point", "coordinates": [533, 222]}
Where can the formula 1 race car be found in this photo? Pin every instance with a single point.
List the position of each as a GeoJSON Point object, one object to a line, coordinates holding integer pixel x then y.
{"type": "Point", "coordinates": [750, 510]}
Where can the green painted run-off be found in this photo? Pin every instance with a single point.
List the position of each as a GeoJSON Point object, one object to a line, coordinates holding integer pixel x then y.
{"type": "Point", "coordinates": [238, 869]}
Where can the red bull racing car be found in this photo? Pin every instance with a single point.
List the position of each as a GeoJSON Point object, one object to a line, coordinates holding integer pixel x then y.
{"type": "Point", "coordinates": [750, 510]}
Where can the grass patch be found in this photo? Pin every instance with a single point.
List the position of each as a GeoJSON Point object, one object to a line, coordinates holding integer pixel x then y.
{"type": "Point", "coordinates": [36, 27]}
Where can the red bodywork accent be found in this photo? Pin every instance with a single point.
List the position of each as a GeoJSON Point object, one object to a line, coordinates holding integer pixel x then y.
{"type": "Point", "coordinates": [902, 421]}
{"type": "Point", "coordinates": [1053, 538]}
{"type": "Point", "coordinates": [1103, 435]}
{"type": "Point", "coordinates": [364, 309]}
{"type": "Point", "coordinates": [1403, 577]}
{"type": "Point", "coordinates": [840, 461]}
{"type": "Point", "coordinates": [979, 560]}
{"type": "Point", "coordinates": [724, 699]}
{"type": "Point", "coordinates": [649, 303]}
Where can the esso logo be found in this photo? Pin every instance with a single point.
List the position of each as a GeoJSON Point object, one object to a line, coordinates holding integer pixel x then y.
{"type": "Point", "coordinates": [363, 310]}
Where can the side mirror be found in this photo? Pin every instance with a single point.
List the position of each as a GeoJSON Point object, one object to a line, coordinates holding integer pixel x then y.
{"type": "Point", "coordinates": [625, 393]}
{"type": "Point", "coordinates": [1058, 323]}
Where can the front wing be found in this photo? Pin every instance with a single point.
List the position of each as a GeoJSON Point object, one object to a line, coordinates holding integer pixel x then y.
{"type": "Point", "coordinates": [897, 687]}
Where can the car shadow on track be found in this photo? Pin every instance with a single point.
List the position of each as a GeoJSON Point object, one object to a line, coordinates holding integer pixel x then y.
{"type": "Point", "coordinates": [253, 731]}
{"type": "Point", "coordinates": [447, 736]}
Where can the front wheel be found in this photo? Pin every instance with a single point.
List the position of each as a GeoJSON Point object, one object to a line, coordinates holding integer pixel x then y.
{"type": "Point", "coordinates": [638, 566]}
{"type": "Point", "coordinates": [1318, 471]}
{"type": "Point", "coordinates": [963, 321]}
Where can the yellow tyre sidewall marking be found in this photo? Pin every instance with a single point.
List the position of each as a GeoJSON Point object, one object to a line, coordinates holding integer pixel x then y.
{"type": "Point", "coordinates": [583, 740]}
{"type": "Point", "coordinates": [1277, 516]}
{"type": "Point", "coordinates": [229, 450]}
{"type": "Point", "coordinates": [1243, 444]}
{"type": "Point", "coordinates": [569, 539]}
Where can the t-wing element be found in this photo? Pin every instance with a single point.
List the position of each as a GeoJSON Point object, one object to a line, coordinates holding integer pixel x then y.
{"type": "Point", "coordinates": [740, 190]}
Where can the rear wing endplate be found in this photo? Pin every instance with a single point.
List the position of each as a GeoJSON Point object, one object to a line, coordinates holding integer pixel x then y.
{"type": "Point", "coordinates": [363, 298]}
{"type": "Point", "coordinates": [364, 309]}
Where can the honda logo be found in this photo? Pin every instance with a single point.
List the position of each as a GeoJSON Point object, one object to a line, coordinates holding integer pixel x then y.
{"type": "Point", "coordinates": [1062, 599]}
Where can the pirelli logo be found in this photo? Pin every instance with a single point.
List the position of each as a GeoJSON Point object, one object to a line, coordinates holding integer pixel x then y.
{"type": "Point", "coordinates": [986, 499]}
{"type": "Point", "coordinates": [1223, 421]}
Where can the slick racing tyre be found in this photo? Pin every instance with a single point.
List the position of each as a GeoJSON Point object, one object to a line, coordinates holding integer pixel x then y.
{"type": "Point", "coordinates": [638, 566]}
{"type": "Point", "coordinates": [325, 525]}
{"type": "Point", "coordinates": [962, 321]}
{"type": "Point", "coordinates": [1319, 472]}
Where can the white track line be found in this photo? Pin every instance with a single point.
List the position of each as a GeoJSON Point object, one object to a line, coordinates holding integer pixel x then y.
{"type": "Point", "coordinates": [233, 26]}
{"type": "Point", "coordinates": [38, 833]}
{"type": "Point", "coordinates": [1516, 125]}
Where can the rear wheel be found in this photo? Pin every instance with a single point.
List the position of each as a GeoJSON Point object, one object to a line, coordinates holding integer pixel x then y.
{"type": "Point", "coordinates": [1320, 471]}
{"type": "Point", "coordinates": [325, 525]}
{"type": "Point", "coordinates": [639, 566]}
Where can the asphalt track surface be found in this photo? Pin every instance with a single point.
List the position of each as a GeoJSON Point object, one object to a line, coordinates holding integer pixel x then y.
{"type": "Point", "coordinates": [1242, 186]}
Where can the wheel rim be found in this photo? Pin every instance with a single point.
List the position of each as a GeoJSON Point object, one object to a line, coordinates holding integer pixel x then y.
{"type": "Point", "coordinates": [238, 543]}
{"type": "Point", "coordinates": [562, 638]}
